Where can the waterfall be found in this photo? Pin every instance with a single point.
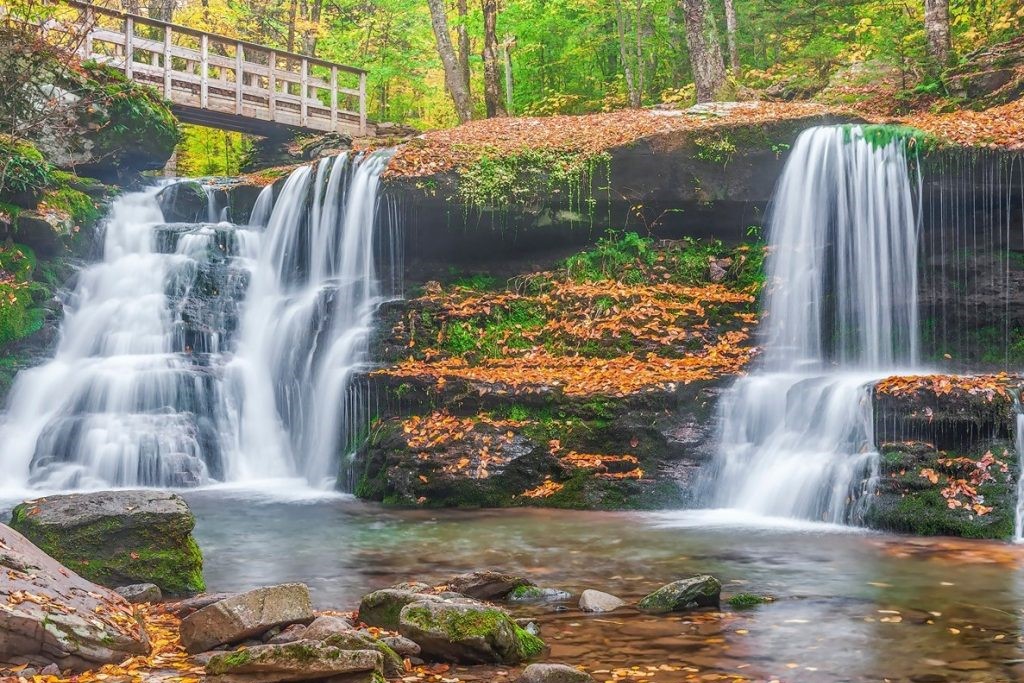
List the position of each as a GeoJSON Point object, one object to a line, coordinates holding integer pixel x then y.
{"type": "Point", "coordinates": [197, 353]}
{"type": "Point", "coordinates": [796, 436]}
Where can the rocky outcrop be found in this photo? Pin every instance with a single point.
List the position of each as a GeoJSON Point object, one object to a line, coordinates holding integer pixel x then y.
{"type": "Point", "coordinates": [118, 538]}
{"type": "Point", "coordinates": [989, 77]}
{"type": "Point", "coordinates": [680, 596]}
{"type": "Point", "coordinates": [486, 585]}
{"type": "Point", "coordinates": [466, 631]}
{"type": "Point", "coordinates": [140, 593]}
{"type": "Point", "coordinates": [246, 615]}
{"type": "Point", "coordinates": [303, 660]}
{"type": "Point", "coordinates": [52, 615]}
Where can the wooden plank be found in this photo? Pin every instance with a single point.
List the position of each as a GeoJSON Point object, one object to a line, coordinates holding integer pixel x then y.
{"type": "Point", "coordinates": [334, 97]}
{"type": "Point", "coordinates": [272, 75]}
{"type": "Point", "coordinates": [239, 78]}
{"type": "Point", "coordinates": [204, 76]}
{"type": "Point", "coordinates": [168, 62]}
{"type": "Point", "coordinates": [304, 85]}
{"type": "Point", "coordinates": [362, 103]}
{"type": "Point", "coordinates": [129, 46]}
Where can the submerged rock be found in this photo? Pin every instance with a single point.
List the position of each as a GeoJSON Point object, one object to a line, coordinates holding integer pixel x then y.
{"type": "Point", "coordinates": [71, 621]}
{"type": "Point", "coordinates": [553, 673]}
{"type": "Point", "coordinates": [487, 585]}
{"type": "Point", "coordinates": [691, 593]}
{"type": "Point", "coordinates": [299, 661]}
{"type": "Point", "coordinates": [467, 632]}
{"type": "Point", "coordinates": [596, 601]}
{"type": "Point", "coordinates": [118, 538]}
{"type": "Point", "coordinates": [140, 592]}
{"type": "Point", "coordinates": [526, 594]}
{"type": "Point", "coordinates": [245, 616]}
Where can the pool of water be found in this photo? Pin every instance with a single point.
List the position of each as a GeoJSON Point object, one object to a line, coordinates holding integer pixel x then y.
{"type": "Point", "coordinates": [848, 606]}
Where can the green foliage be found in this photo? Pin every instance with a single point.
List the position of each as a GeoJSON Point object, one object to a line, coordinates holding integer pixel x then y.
{"type": "Point", "coordinates": [746, 600]}
{"type": "Point", "coordinates": [23, 170]}
{"type": "Point", "coordinates": [610, 257]}
{"type": "Point", "coordinates": [20, 314]}
{"type": "Point", "coordinates": [491, 335]}
{"type": "Point", "coordinates": [882, 135]}
{"type": "Point", "coordinates": [715, 149]}
{"type": "Point", "coordinates": [211, 152]}
{"type": "Point", "coordinates": [479, 282]}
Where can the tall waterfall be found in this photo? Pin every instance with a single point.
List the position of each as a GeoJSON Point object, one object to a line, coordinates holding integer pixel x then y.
{"type": "Point", "coordinates": [841, 309]}
{"type": "Point", "coordinates": [195, 353]}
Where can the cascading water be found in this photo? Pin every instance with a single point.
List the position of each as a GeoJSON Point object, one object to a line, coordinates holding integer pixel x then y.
{"type": "Point", "coordinates": [841, 310]}
{"type": "Point", "coordinates": [212, 352]}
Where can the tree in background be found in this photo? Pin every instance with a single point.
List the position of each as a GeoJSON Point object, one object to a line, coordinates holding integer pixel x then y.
{"type": "Point", "coordinates": [936, 25]}
{"type": "Point", "coordinates": [705, 50]}
{"type": "Point", "coordinates": [492, 85]}
{"type": "Point", "coordinates": [730, 35]}
{"type": "Point", "coordinates": [455, 78]}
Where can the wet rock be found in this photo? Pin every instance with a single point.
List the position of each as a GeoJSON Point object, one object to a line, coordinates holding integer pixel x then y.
{"type": "Point", "coordinates": [40, 231]}
{"type": "Point", "coordinates": [140, 592]}
{"type": "Point", "coordinates": [325, 626]}
{"type": "Point", "coordinates": [691, 593]}
{"type": "Point", "coordinates": [487, 585]}
{"type": "Point", "coordinates": [184, 202]}
{"type": "Point", "coordinates": [467, 632]}
{"type": "Point", "coordinates": [299, 661]}
{"type": "Point", "coordinates": [246, 615]}
{"type": "Point", "coordinates": [529, 594]}
{"type": "Point", "coordinates": [402, 646]}
{"type": "Point", "coordinates": [553, 673]}
{"type": "Point", "coordinates": [326, 145]}
{"type": "Point", "coordinates": [288, 634]}
{"type": "Point", "coordinates": [118, 538]}
{"type": "Point", "coordinates": [382, 608]}
{"type": "Point", "coordinates": [183, 608]}
{"type": "Point", "coordinates": [362, 640]}
{"type": "Point", "coordinates": [596, 601]}
{"type": "Point", "coordinates": [62, 628]}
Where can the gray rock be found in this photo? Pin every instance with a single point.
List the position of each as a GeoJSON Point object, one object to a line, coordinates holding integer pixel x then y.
{"type": "Point", "coordinates": [691, 593]}
{"type": "Point", "coordinates": [382, 608]}
{"type": "Point", "coordinates": [288, 634]}
{"type": "Point", "coordinates": [528, 594]}
{"type": "Point", "coordinates": [402, 646]}
{"type": "Point", "coordinates": [553, 673]}
{"type": "Point", "coordinates": [246, 615]}
{"type": "Point", "coordinates": [325, 626]}
{"type": "Point", "coordinates": [76, 635]}
{"type": "Point", "coordinates": [596, 601]}
{"type": "Point", "coordinates": [118, 538]}
{"type": "Point", "coordinates": [183, 608]}
{"type": "Point", "coordinates": [184, 202]}
{"type": "Point", "coordinates": [50, 670]}
{"type": "Point", "coordinates": [363, 640]}
{"type": "Point", "coordinates": [140, 592]}
{"type": "Point", "coordinates": [486, 585]}
{"type": "Point", "coordinates": [467, 632]}
{"type": "Point", "coordinates": [302, 660]}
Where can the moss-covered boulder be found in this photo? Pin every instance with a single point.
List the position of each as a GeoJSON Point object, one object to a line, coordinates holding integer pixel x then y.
{"type": "Point", "coordinates": [118, 538]}
{"type": "Point", "coordinates": [299, 661]}
{"type": "Point", "coordinates": [468, 632]}
{"type": "Point", "coordinates": [383, 608]}
{"type": "Point", "coordinates": [687, 594]}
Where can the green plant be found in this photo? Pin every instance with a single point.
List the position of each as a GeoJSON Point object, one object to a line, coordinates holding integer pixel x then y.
{"type": "Point", "coordinates": [716, 150]}
{"type": "Point", "coordinates": [747, 600]}
{"type": "Point", "coordinates": [610, 257]}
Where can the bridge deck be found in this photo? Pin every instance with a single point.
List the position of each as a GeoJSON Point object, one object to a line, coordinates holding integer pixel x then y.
{"type": "Point", "coordinates": [224, 82]}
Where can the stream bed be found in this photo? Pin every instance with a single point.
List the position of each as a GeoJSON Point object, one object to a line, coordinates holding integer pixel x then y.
{"type": "Point", "coordinates": [849, 606]}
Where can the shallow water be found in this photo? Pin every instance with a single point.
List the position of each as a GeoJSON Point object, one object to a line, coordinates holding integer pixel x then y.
{"type": "Point", "coordinates": [849, 606]}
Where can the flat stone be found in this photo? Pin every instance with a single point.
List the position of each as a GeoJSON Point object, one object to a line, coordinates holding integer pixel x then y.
{"type": "Point", "coordinates": [118, 538]}
{"type": "Point", "coordinates": [467, 632]}
{"type": "Point", "coordinates": [486, 585]}
{"type": "Point", "coordinates": [246, 615]}
{"type": "Point", "coordinates": [140, 592]}
{"type": "Point", "coordinates": [302, 660]}
{"type": "Point", "coordinates": [691, 593]}
{"type": "Point", "coordinates": [183, 608]}
{"type": "Point", "coordinates": [530, 594]}
{"type": "Point", "coordinates": [402, 646]}
{"type": "Point", "coordinates": [364, 640]}
{"type": "Point", "coordinates": [325, 626]}
{"type": "Point", "coordinates": [77, 634]}
{"type": "Point", "coordinates": [596, 601]}
{"type": "Point", "coordinates": [553, 673]}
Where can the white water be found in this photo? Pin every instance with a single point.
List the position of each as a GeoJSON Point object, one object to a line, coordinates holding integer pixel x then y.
{"type": "Point", "coordinates": [797, 436]}
{"type": "Point", "coordinates": [194, 354]}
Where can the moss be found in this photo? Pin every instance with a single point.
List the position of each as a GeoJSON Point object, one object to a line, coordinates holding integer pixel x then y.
{"type": "Point", "coordinates": [530, 645]}
{"type": "Point", "coordinates": [746, 600]}
{"type": "Point", "coordinates": [25, 173]}
{"type": "Point", "coordinates": [461, 625]}
{"type": "Point", "coordinates": [234, 659]}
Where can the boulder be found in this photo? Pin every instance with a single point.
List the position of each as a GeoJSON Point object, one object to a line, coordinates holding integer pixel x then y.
{"type": "Point", "coordinates": [118, 538]}
{"type": "Point", "coordinates": [527, 594]}
{"type": "Point", "coordinates": [299, 661]}
{"type": "Point", "coordinates": [402, 646]}
{"type": "Point", "coordinates": [467, 632]}
{"type": "Point", "coordinates": [362, 640]}
{"type": "Point", "coordinates": [140, 592]}
{"type": "Point", "coordinates": [326, 626]}
{"type": "Point", "coordinates": [184, 202]}
{"type": "Point", "coordinates": [486, 585]}
{"type": "Point", "coordinates": [678, 596]}
{"type": "Point", "coordinates": [596, 601]}
{"type": "Point", "coordinates": [246, 615]}
{"type": "Point", "coordinates": [183, 608]}
{"type": "Point", "coordinates": [52, 615]}
{"type": "Point", "coordinates": [44, 233]}
{"type": "Point", "coordinates": [553, 673]}
{"type": "Point", "coordinates": [382, 608]}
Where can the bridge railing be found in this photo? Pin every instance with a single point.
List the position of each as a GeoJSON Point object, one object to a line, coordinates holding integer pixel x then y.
{"type": "Point", "coordinates": [224, 75]}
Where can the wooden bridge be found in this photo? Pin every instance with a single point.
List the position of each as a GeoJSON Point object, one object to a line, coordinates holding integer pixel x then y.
{"type": "Point", "coordinates": [226, 83]}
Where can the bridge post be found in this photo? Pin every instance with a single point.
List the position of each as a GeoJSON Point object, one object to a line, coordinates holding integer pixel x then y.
{"type": "Point", "coordinates": [129, 47]}
{"type": "Point", "coordinates": [362, 103]}
{"type": "Point", "coordinates": [304, 85]}
{"type": "Point", "coordinates": [90, 25]}
{"type": "Point", "coordinates": [334, 99]}
{"type": "Point", "coordinates": [168, 62]}
{"type": "Point", "coordinates": [204, 68]}
{"type": "Point", "coordinates": [273, 85]}
{"type": "Point", "coordinates": [239, 78]}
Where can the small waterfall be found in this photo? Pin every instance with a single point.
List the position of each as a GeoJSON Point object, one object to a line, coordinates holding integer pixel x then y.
{"type": "Point", "coordinates": [797, 437]}
{"type": "Point", "coordinates": [205, 352]}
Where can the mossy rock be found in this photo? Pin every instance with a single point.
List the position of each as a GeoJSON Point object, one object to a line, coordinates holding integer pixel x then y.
{"type": "Point", "coordinates": [687, 594]}
{"type": "Point", "coordinates": [118, 538]}
{"type": "Point", "coordinates": [468, 632]}
{"type": "Point", "coordinates": [383, 608]}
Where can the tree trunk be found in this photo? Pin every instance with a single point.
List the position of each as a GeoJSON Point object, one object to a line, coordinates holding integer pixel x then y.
{"type": "Point", "coordinates": [506, 53]}
{"type": "Point", "coordinates": [492, 86]}
{"type": "Point", "coordinates": [161, 10]}
{"type": "Point", "coordinates": [730, 35]}
{"type": "Point", "coordinates": [293, 10]}
{"type": "Point", "coordinates": [705, 50]}
{"type": "Point", "coordinates": [463, 33]}
{"type": "Point", "coordinates": [635, 96]}
{"type": "Point", "coordinates": [936, 26]}
{"type": "Point", "coordinates": [454, 76]}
